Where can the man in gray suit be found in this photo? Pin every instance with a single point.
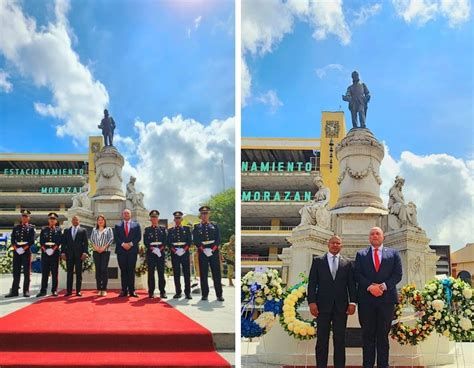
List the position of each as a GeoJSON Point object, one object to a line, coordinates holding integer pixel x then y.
{"type": "Point", "coordinates": [74, 250]}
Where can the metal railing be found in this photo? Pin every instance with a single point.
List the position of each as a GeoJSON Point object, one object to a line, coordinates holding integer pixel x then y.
{"type": "Point", "coordinates": [267, 228]}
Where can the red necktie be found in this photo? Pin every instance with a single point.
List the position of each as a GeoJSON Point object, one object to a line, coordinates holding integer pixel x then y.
{"type": "Point", "coordinates": [376, 259]}
{"type": "Point", "coordinates": [126, 229]}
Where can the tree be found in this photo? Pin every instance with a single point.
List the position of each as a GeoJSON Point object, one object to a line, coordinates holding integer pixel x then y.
{"type": "Point", "coordinates": [223, 212]}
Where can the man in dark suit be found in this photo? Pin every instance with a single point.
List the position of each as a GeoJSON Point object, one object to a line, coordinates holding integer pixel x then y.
{"type": "Point", "coordinates": [331, 298]}
{"type": "Point", "coordinates": [378, 270]}
{"type": "Point", "coordinates": [74, 250]}
{"type": "Point", "coordinates": [127, 235]}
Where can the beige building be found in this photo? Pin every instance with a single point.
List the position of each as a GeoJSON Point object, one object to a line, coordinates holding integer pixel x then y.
{"type": "Point", "coordinates": [462, 263]}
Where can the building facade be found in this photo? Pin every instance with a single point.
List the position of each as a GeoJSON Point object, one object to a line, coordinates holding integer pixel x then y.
{"type": "Point", "coordinates": [462, 263]}
{"type": "Point", "coordinates": [43, 183]}
{"type": "Point", "coordinates": [277, 180]}
{"type": "Point", "coordinates": [443, 264]}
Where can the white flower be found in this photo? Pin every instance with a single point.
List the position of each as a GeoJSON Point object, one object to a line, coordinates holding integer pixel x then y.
{"type": "Point", "coordinates": [465, 323]}
{"type": "Point", "coordinates": [438, 304]}
{"type": "Point", "coordinates": [467, 312]}
{"type": "Point", "coordinates": [265, 320]}
{"type": "Point", "coordinates": [467, 293]}
{"type": "Point", "coordinates": [245, 288]}
{"type": "Point", "coordinates": [437, 315]}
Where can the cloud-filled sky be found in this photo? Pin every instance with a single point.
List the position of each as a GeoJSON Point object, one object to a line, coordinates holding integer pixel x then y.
{"type": "Point", "coordinates": [164, 69]}
{"type": "Point", "coordinates": [416, 58]}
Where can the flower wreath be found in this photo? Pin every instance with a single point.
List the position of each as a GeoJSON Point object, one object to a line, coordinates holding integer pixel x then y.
{"type": "Point", "coordinates": [450, 308]}
{"type": "Point", "coordinates": [291, 320]}
{"type": "Point", "coordinates": [402, 333]}
{"type": "Point", "coordinates": [260, 287]}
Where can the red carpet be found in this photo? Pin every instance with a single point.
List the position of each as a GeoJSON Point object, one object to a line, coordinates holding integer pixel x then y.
{"type": "Point", "coordinates": [91, 331]}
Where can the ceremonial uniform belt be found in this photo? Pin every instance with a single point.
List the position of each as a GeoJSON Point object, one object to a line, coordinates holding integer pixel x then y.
{"type": "Point", "coordinates": [208, 242]}
{"type": "Point", "coordinates": [155, 244]}
{"type": "Point", "coordinates": [178, 244]}
{"type": "Point", "coordinates": [50, 244]}
{"type": "Point", "coordinates": [21, 243]}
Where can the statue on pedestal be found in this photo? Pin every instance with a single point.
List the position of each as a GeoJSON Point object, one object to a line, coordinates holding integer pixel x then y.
{"type": "Point", "coordinates": [358, 97]}
{"type": "Point", "coordinates": [82, 200]}
{"type": "Point", "coordinates": [400, 213]}
{"type": "Point", "coordinates": [316, 212]}
{"type": "Point", "coordinates": [134, 198]}
{"type": "Point", "coordinates": [107, 125]}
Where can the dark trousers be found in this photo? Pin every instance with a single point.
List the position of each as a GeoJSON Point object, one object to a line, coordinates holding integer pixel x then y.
{"type": "Point", "coordinates": [18, 262]}
{"type": "Point", "coordinates": [73, 263]}
{"type": "Point", "coordinates": [101, 261]}
{"type": "Point", "coordinates": [178, 262]}
{"type": "Point", "coordinates": [375, 320]}
{"type": "Point", "coordinates": [215, 263]}
{"type": "Point", "coordinates": [338, 320]}
{"type": "Point", "coordinates": [127, 262]}
{"type": "Point", "coordinates": [156, 263]}
{"type": "Point", "coordinates": [49, 264]}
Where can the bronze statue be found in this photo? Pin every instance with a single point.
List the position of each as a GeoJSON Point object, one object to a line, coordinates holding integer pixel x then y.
{"type": "Point", "coordinates": [358, 97]}
{"type": "Point", "coordinates": [108, 126]}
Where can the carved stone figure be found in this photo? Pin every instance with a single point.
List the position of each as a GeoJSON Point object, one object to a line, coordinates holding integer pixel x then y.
{"type": "Point", "coordinates": [400, 213]}
{"type": "Point", "coordinates": [134, 198]}
{"type": "Point", "coordinates": [82, 200]}
{"type": "Point", "coordinates": [107, 125]}
{"type": "Point", "coordinates": [358, 97]}
{"type": "Point", "coordinates": [316, 212]}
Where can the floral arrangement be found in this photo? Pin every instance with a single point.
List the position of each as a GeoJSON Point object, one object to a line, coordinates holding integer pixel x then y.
{"type": "Point", "coordinates": [444, 305]}
{"type": "Point", "coordinates": [291, 320]}
{"type": "Point", "coordinates": [403, 333]}
{"type": "Point", "coordinates": [142, 268]}
{"type": "Point", "coordinates": [450, 308]}
{"type": "Point", "coordinates": [6, 261]}
{"type": "Point", "coordinates": [261, 287]}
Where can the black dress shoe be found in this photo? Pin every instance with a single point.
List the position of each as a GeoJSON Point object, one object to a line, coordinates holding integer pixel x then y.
{"type": "Point", "coordinates": [68, 293]}
{"type": "Point", "coordinates": [26, 294]}
{"type": "Point", "coordinates": [163, 296]}
{"type": "Point", "coordinates": [54, 293]}
{"type": "Point", "coordinates": [134, 295]}
{"type": "Point", "coordinates": [78, 293]}
{"type": "Point", "coordinates": [220, 298]}
{"type": "Point", "coordinates": [40, 294]}
{"type": "Point", "coordinates": [177, 296]}
{"type": "Point", "coordinates": [151, 296]}
{"type": "Point", "coordinates": [11, 295]}
{"type": "Point", "coordinates": [188, 296]}
{"type": "Point", "coordinates": [122, 294]}
{"type": "Point", "coordinates": [204, 298]}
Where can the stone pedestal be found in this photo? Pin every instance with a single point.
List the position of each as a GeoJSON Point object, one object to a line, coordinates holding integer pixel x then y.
{"type": "Point", "coordinates": [360, 156]}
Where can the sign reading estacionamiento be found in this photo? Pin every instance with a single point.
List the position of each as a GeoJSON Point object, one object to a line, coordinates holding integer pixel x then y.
{"type": "Point", "coordinates": [43, 172]}
{"type": "Point", "coordinates": [251, 196]}
{"type": "Point", "coordinates": [276, 166]}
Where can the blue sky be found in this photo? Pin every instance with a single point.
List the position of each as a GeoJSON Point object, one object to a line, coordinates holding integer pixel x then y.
{"type": "Point", "coordinates": [164, 69]}
{"type": "Point", "coordinates": [154, 58]}
{"type": "Point", "coordinates": [419, 73]}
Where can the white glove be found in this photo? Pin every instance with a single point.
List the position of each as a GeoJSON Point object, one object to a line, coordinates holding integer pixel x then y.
{"type": "Point", "coordinates": [180, 251]}
{"type": "Point", "coordinates": [207, 252]}
{"type": "Point", "coordinates": [50, 251]}
{"type": "Point", "coordinates": [157, 251]}
{"type": "Point", "coordinates": [20, 250]}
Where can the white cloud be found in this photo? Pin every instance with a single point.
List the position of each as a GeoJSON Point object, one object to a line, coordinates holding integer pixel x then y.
{"type": "Point", "coordinates": [442, 187]}
{"type": "Point", "coordinates": [265, 23]}
{"type": "Point", "coordinates": [5, 84]}
{"type": "Point", "coordinates": [271, 99]}
{"type": "Point", "coordinates": [422, 11]}
{"type": "Point", "coordinates": [365, 13]}
{"type": "Point", "coordinates": [322, 72]}
{"type": "Point", "coordinates": [46, 56]}
{"type": "Point", "coordinates": [196, 24]}
{"type": "Point", "coordinates": [179, 162]}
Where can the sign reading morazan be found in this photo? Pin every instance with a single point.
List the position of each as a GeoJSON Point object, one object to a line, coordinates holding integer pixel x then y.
{"type": "Point", "coordinates": [249, 196]}
{"type": "Point", "coordinates": [43, 172]}
{"type": "Point", "coordinates": [276, 166]}
{"type": "Point", "coordinates": [60, 190]}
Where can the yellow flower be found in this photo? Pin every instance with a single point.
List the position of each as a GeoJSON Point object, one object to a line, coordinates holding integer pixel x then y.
{"type": "Point", "coordinates": [311, 331]}
{"type": "Point", "coordinates": [302, 289]}
{"type": "Point", "coordinates": [286, 307]}
{"type": "Point", "coordinates": [291, 326]}
{"type": "Point", "coordinates": [303, 331]}
{"type": "Point", "coordinates": [297, 329]}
